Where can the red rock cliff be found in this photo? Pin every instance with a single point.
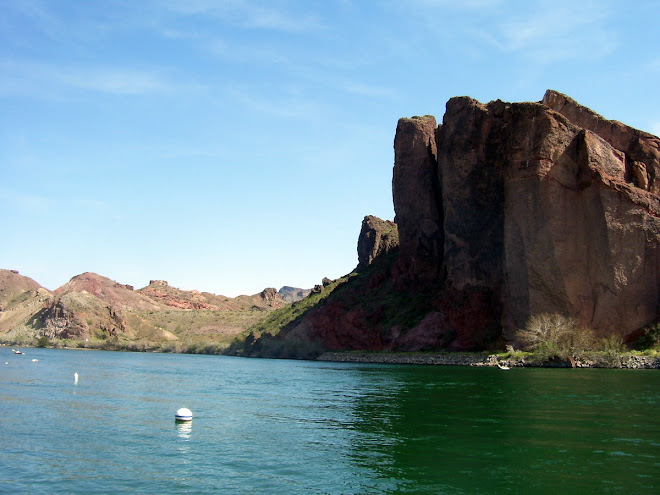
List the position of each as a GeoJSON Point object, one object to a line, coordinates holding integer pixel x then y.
{"type": "Point", "coordinates": [530, 208]}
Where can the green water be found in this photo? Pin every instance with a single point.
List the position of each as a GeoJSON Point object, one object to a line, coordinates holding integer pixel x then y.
{"type": "Point", "coordinates": [268, 426]}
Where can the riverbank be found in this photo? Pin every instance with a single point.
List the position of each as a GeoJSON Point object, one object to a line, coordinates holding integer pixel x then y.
{"type": "Point", "coordinates": [628, 361]}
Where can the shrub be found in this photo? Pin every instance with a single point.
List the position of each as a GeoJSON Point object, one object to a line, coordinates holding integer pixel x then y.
{"type": "Point", "coordinates": [650, 337]}
{"type": "Point", "coordinates": [556, 336]}
{"type": "Point", "coordinates": [612, 343]}
{"type": "Point", "coordinates": [545, 329]}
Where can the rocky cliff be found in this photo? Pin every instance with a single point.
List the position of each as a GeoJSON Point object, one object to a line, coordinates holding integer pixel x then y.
{"type": "Point", "coordinates": [504, 211]}
{"type": "Point", "coordinates": [544, 208]}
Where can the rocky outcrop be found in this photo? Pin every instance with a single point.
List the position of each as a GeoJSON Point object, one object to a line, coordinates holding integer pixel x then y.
{"type": "Point", "coordinates": [377, 237]}
{"type": "Point", "coordinates": [641, 149]}
{"type": "Point", "coordinates": [270, 294]}
{"type": "Point", "coordinates": [539, 207]}
{"type": "Point", "coordinates": [418, 209]}
{"type": "Point", "coordinates": [293, 294]}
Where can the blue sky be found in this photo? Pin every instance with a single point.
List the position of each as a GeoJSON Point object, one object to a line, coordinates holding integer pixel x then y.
{"type": "Point", "coordinates": [234, 145]}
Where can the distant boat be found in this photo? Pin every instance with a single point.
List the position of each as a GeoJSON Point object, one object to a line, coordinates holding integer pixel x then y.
{"type": "Point", "coordinates": [503, 366]}
{"type": "Point", "coordinates": [16, 351]}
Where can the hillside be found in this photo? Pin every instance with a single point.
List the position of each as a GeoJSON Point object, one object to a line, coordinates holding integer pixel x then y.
{"type": "Point", "coordinates": [21, 298]}
{"type": "Point", "coordinates": [96, 312]}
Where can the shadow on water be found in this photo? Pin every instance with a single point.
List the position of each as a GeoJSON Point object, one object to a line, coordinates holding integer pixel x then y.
{"type": "Point", "coordinates": [469, 430]}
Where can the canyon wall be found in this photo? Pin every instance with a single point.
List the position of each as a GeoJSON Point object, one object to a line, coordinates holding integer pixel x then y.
{"type": "Point", "coordinates": [530, 208]}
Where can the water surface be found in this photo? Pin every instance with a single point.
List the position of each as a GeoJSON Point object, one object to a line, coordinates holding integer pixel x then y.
{"type": "Point", "coordinates": [276, 426]}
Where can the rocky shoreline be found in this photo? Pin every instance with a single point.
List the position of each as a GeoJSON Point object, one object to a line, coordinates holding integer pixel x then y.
{"type": "Point", "coordinates": [486, 360]}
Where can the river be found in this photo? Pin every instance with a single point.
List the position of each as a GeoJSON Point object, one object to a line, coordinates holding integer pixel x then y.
{"type": "Point", "coordinates": [276, 426]}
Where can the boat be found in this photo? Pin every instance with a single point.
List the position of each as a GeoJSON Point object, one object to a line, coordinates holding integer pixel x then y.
{"type": "Point", "coordinates": [16, 351]}
{"type": "Point", "coordinates": [503, 366]}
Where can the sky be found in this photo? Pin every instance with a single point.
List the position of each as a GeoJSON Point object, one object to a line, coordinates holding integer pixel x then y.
{"type": "Point", "coordinates": [229, 146]}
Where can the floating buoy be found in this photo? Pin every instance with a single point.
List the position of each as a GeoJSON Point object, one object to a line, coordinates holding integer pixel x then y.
{"type": "Point", "coordinates": [183, 414]}
{"type": "Point", "coordinates": [75, 378]}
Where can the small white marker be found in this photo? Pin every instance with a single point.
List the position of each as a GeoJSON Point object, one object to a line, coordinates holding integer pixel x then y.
{"type": "Point", "coordinates": [183, 414]}
{"type": "Point", "coordinates": [75, 378]}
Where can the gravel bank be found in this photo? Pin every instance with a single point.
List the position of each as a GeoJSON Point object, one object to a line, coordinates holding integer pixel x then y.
{"type": "Point", "coordinates": [460, 359]}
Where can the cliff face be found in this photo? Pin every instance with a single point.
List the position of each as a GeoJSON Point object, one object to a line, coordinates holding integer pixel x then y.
{"type": "Point", "coordinates": [541, 207]}
{"type": "Point", "coordinates": [504, 211]}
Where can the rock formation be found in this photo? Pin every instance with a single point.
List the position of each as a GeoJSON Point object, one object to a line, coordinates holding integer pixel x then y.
{"type": "Point", "coordinates": [504, 211]}
{"type": "Point", "coordinates": [541, 207]}
{"type": "Point", "coordinates": [377, 237]}
{"type": "Point", "coordinates": [416, 194]}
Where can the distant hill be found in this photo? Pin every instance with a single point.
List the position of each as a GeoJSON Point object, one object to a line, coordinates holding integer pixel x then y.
{"type": "Point", "coordinates": [93, 311]}
{"type": "Point", "coordinates": [21, 298]}
{"type": "Point", "coordinates": [293, 294]}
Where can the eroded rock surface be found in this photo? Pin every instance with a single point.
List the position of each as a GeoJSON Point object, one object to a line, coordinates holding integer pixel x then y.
{"type": "Point", "coordinates": [544, 207]}
{"type": "Point", "coordinates": [377, 237]}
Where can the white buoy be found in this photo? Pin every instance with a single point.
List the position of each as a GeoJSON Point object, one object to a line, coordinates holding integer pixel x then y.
{"type": "Point", "coordinates": [75, 378]}
{"type": "Point", "coordinates": [183, 414]}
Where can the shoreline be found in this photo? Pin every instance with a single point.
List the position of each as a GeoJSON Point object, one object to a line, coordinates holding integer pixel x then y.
{"type": "Point", "coordinates": [621, 361]}
{"type": "Point", "coordinates": [483, 360]}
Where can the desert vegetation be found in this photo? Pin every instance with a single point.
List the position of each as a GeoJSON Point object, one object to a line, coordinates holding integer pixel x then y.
{"type": "Point", "coordinates": [555, 338]}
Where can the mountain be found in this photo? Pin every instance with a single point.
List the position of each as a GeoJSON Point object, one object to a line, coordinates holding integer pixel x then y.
{"type": "Point", "coordinates": [95, 311]}
{"type": "Point", "coordinates": [503, 212]}
{"type": "Point", "coordinates": [293, 294]}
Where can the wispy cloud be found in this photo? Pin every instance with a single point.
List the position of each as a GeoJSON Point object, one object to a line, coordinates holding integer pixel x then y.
{"type": "Point", "coordinates": [542, 31]}
{"type": "Point", "coordinates": [36, 13]}
{"type": "Point", "coordinates": [555, 30]}
{"type": "Point", "coordinates": [462, 5]}
{"type": "Point", "coordinates": [44, 79]}
{"type": "Point", "coordinates": [112, 80]}
{"type": "Point", "coordinates": [249, 14]}
{"type": "Point", "coordinates": [318, 72]}
{"type": "Point", "coordinates": [290, 107]}
{"type": "Point", "coordinates": [359, 88]}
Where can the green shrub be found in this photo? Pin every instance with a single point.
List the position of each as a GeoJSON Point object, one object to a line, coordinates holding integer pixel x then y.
{"type": "Point", "coordinates": [650, 336]}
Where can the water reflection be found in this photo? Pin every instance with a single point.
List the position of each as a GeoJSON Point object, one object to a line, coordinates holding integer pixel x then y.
{"type": "Point", "coordinates": [462, 430]}
{"type": "Point", "coordinates": [184, 428]}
